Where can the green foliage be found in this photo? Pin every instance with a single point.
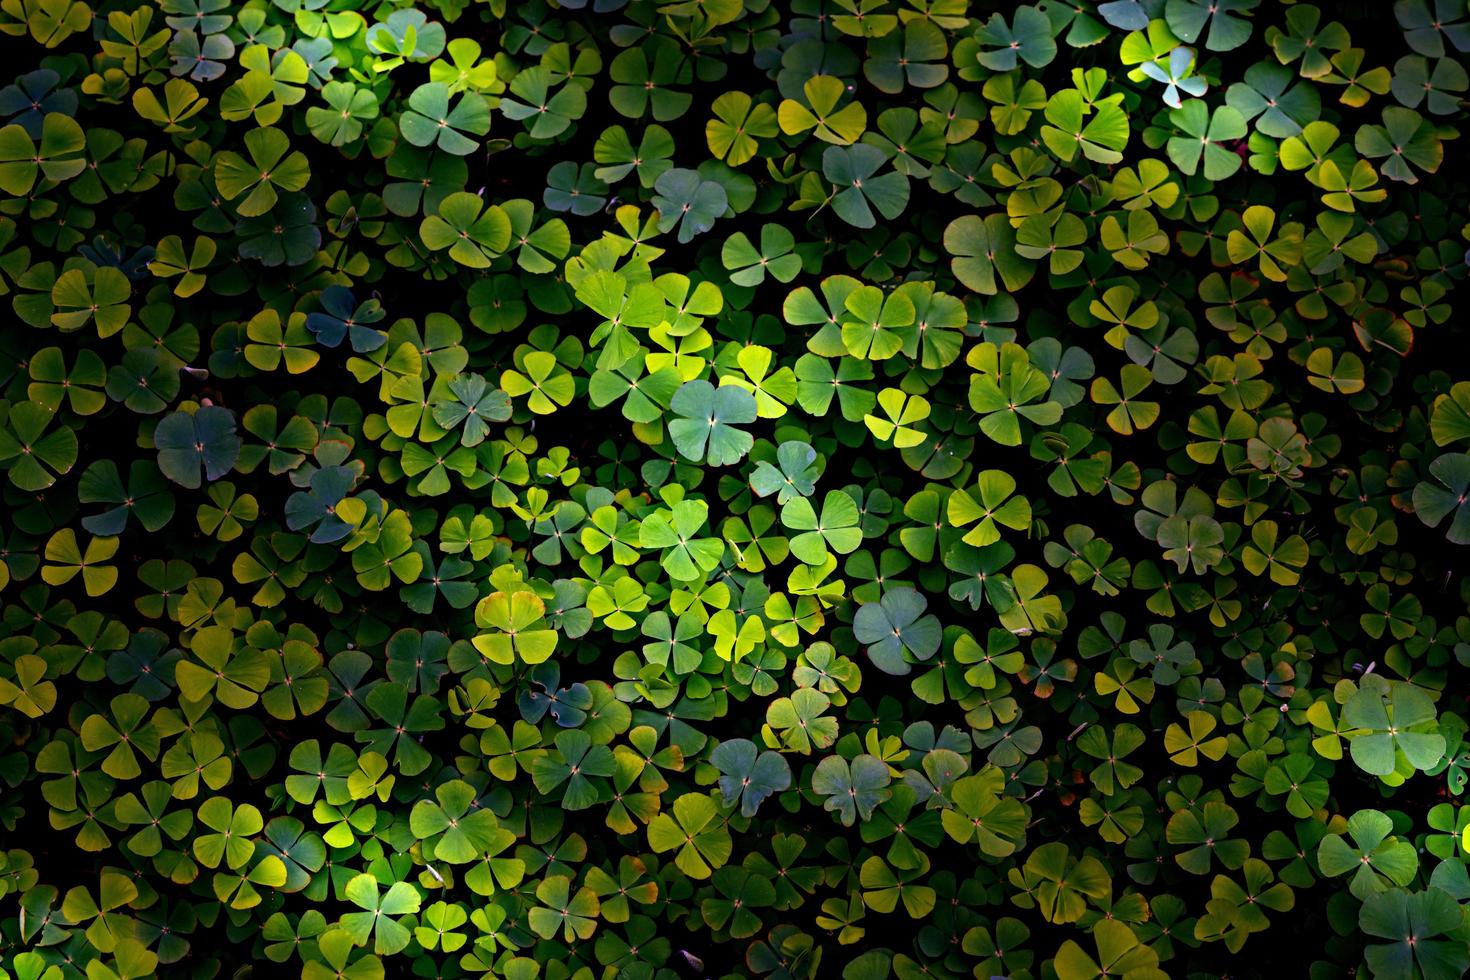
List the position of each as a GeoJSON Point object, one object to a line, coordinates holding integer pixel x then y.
{"type": "Point", "coordinates": [781, 489]}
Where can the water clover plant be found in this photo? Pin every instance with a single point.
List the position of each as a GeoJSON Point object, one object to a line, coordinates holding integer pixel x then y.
{"type": "Point", "coordinates": [751, 488]}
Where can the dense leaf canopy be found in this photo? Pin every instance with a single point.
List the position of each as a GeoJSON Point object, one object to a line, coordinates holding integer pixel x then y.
{"type": "Point", "coordinates": [576, 489]}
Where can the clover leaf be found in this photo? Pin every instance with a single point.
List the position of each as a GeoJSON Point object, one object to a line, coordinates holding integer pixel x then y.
{"type": "Point", "coordinates": [896, 625]}
{"type": "Point", "coordinates": [707, 419]}
{"type": "Point", "coordinates": [748, 775]}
